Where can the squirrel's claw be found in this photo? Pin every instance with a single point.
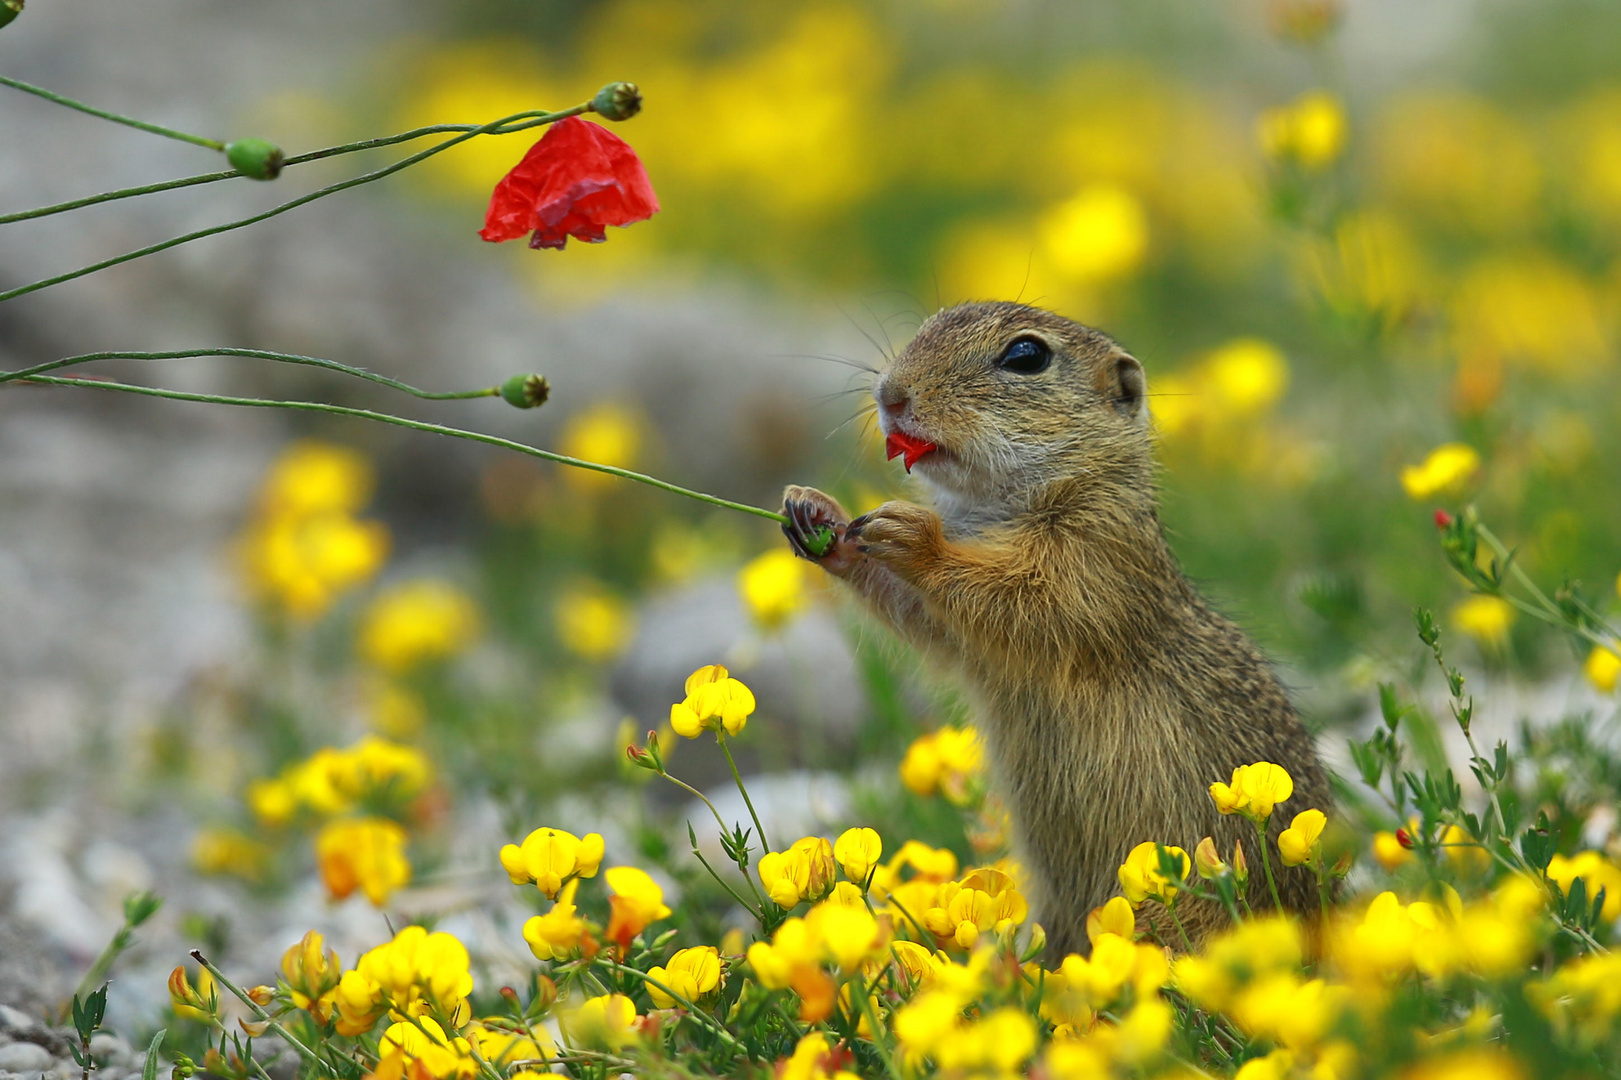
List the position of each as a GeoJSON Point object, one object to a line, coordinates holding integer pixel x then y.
{"type": "Point", "coordinates": [811, 516]}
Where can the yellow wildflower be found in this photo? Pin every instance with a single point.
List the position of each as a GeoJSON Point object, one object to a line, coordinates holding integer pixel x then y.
{"type": "Point", "coordinates": [303, 564]}
{"type": "Point", "coordinates": [812, 1059]}
{"type": "Point", "coordinates": [1278, 1065]}
{"type": "Point", "coordinates": [1246, 377]}
{"type": "Point", "coordinates": [374, 768]}
{"type": "Point", "coordinates": [201, 1003]}
{"type": "Point", "coordinates": [606, 433]}
{"type": "Point", "coordinates": [1603, 667]}
{"type": "Point", "coordinates": [773, 587]}
{"type": "Point", "coordinates": [1596, 873]}
{"type": "Point", "coordinates": [502, 1044]}
{"type": "Point", "coordinates": [549, 857]}
{"type": "Point", "coordinates": [1389, 852]}
{"type": "Point", "coordinates": [691, 973]}
{"type": "Point", "coordinates": [1299, 842]}
{"type": "Point", "coordinates": [592, 623]}
{"type": "Point", "coordinates": [366, 854]}
{"type": "Point", "coordinates": [714, 700]}
{"type": "Point", "coordinates": [1254, 790]}
{"type": "Point", "coordinates": [1099, 234]}
{"type": "Point", "coordinates": [1254, 949]}
{"type": "Point", "coordinates": [1584, 995]}
{"type": "Point", "coordinates": [1114, 917]}
{"type": "Point", "coordinates": [417, 621]}
{"type": "Point", "coordinates": [442, 1055]}
{"type": "Point", "coordinates": [414, 971]}
{"type": "Point", "coordinates": [803, 872]}
{"type": "Point", "coordinates": [312, 972]}
{"type": "Point", "coordinates": [1474, 1064]}
{"type": "Point", "coordinates": [556, 935]}
{"type": "Point", "coordinates": [314, 477]}
{"type": "Point", "coordinates": [1484, 618]}
{"type": "Point", "coordinates": [605, 1022]}
{"type": "Point", "coordinates": [1445, 471]}
{"type": "Point", "coordinates": [857, 851]}
{"type": "Point", "coordinates": [947, 760]}
{"type": "Point", "coordinates": [637, 901]}
{"type": "Point", "coordinates": [995, 1046]}
{"type": "Point", "coordinates": [1140, 878]}
{"type": "Point", "coordinates": [229, 851]}
{"type": "Point", "coordinates": [984, 900]}
{"type": "Point", "coordinates": [393, 709]}
{"type": "Point", "coordinates": [1310, 131]}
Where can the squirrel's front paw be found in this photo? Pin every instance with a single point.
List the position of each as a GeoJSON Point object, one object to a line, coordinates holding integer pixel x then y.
{"type": "Point", "coordinates": [901, 534]}
{"type": "Point", "coordinates": [809, 512]}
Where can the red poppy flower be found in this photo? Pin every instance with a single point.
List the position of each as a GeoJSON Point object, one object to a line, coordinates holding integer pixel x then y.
{"type": "Point", "coordinates": [577, 180]}
{"type": "Point", "coordinates": [899, 443]}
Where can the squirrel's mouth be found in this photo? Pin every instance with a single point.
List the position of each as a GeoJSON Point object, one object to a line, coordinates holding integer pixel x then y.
{"type": "Point", "coordinates": [909, 448]}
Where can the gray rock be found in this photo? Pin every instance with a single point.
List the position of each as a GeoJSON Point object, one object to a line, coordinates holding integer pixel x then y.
{"type": "Point", "coordinates": [14, 1021]}
{"type": "Point", "coordinates": [111, 1048]}
{"type": "Point", "coordinates": [25, 1057]}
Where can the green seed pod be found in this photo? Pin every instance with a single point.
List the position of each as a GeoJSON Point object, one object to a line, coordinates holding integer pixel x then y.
{"type": "Point", "coordinates": [10, 9]}
{"type": "Point", "coordinates": [618, 101]}
{"type": "Point", "coordinates": [253, 158]}
{"type": "Point", "coordinates": [819, 541]}
{"type": "Point", "coordinates": [526, 391]}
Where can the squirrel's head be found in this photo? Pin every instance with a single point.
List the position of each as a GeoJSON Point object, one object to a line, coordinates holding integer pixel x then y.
{"type": "Point", "coordinates": [1013, 398]}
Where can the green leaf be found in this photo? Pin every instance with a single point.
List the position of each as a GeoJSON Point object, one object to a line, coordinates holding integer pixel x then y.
{"type": "Point", "coordinates": [149, 1071]}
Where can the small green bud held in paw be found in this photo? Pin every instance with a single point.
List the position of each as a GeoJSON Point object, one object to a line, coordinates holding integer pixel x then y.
{"type": "Point", "coordinates": [10, 9]}
{"type": "Point", "coordinates": [526, 391]}
{"type": "Point", "coordinates": [253, 158]}
{"type": "Point", "coordinates": [618, 101]}
{"type": "Point", "coordinates": [819, 540]}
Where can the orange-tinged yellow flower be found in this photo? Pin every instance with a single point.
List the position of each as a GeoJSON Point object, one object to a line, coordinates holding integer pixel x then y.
{"type": "Point", "coordinates": [364, 853]}
{"type": "Point", "coordinates": [714, 700]}
{"type": "Point", "coordinates": [774, 587]}
{"type": "Point", "coordinates": [1310, 131]}
{"type": "Point", "coordinates": [813, 1059]}
{"type": "Point", "coordinates": [549, 857]}
{"type": "Point", "coordinates": [1596, 873]}
{"type": "Point", "coordinates": [1445, 470]}
{"type": "Point", "coordinates": [607, 1022]}
{"type": "Point", "coordinates": [556, 935]}
{"type": "Point", "coordinates": [858, 851]}
{"type": "Point", "coordinates": [1206, 860]}
{"type": "Point", "coordinates": [984, 900]}
{"type": "Point", "coordinates": [415, 622]}
{"type": "Point", "coordinates": [312, 972]}
{"type": "Point", "coordinates": [691, 974]}
{"type": "Point", "coordinates": [1603, 667]}
{"type": "Point", "coordinates": [637, 902]}
{"type": "Point", "coordinates": [1140, 877]}
{"type": "Point", "coordinates": [1299, 842]}
{"type": "Point", "coordinates": [199, 1003]}
{"type": "Point", "coordinates": [1254, 790]}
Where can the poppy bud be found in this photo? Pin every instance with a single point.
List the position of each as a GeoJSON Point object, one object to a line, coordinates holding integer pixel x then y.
{"type": "Point", "coordinates": [526, 391]}
{"type": "Point", "coordinates": [1442, 519]}
{"type": "Point", "coordinates": [618, 101]}
{"type": "Point", "coordinates": [10, 9]}
{"type": "Point", "coordinates": [1404, 838]}
{"type": "Point", "coordinates": [254, 158]}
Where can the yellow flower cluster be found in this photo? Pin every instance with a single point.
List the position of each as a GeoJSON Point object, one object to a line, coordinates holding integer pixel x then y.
{"type": "Point", "coordinates": [305, 547]}
{"type": "Point", "coordinates": [1485, 618]}
{"type": "Point", "coordinates": [1444, 471]}
{"type": "Point", "coordinates": [551, 857]}
{"type": "Point", "coordinates": [1254, 790]}
{"type": "Point", "coordinates": [362, 853]}
{"type": "Point", "coordinates": [948, 761]}
{"type": "Point", "coordinates": [417, 974]}
{"type": "Point", "coordinates": [831, 933]}
{"type": "Point", "coordinates": [1309, 132]}
{"type": "Point", "coordinates": [1596, 873]}
{"type": "Point", "coordinates": [803, 872]}
{"type": "Point", "coordinates": [1491, 937]}
{"type": "Point", "coordinates": [691, 975]}
{"type": "Point", "coordinates": [773, 587]}
{"type": "Point", "coordinates": [332, 781]}
{"type": "Point", "coordinates": [714, 701]}
{"type": "Point", "coordinates": [416, 622]}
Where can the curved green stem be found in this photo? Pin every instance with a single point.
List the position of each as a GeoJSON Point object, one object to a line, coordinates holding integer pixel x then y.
{"type": "Point", "coordinates": [505, 128]}
{"type": "Point", "coordinates": [692, 1010]}
{"type": "Point", "coordinates": [252, 354]}
{"type": "Point", "coordinates": [415, 425]}
{"type": "Point", "coordinates": [156, 129]}
{"type": "Point", "coordinates": [720, 737]}
{"type": "Point", "coordinates": [1266, 863]}
{"type": "Point", "coordinates": [859, 992]}
{"type": "Point", "coordinates": [291, 204]}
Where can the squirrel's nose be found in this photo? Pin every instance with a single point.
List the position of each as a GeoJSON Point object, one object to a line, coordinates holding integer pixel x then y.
{"type": "Point", "coordinates": [892, 398]}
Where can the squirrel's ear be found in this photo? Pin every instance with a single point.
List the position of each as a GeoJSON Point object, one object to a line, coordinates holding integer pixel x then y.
{"type": "Point", "coordinates": [1129, 387]}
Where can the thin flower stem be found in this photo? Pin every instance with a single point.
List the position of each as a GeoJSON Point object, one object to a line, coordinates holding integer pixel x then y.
{"type": "Point", "coordinates": [731, 891]}
{"type": "Point", "coordinates": [1266, 862]}
{"type": "Point", "coordinates": [508, 127]}
{"type": "Point", "coordinates": [860, 993]}
{"type": "Point", "coordinates": [415, 425]}
{"type": "Point", "coordinates": [1177, 919]}
{"type": "Point", "coordinates": [291, 204]}
{"type": "Point", "coordinates": [258, 1013]}
{"type": "Point", "coordinates": [757, 913]}
{"type": "Point", "coordinates": [1550, 613]}
{"type": "Point", "coordinates": [765, 842]}
{"type": "Point", "coordinates": [156, 129]}
{"type": "Point", "coordinates": [252, 354]}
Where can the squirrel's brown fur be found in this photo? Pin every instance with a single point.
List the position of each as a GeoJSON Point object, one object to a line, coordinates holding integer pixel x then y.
{"type": "Point", "coordinates": [1109, 693]}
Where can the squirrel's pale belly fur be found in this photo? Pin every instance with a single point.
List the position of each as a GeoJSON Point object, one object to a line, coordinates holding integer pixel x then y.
{"type": "Point", "coordinates": [1110, 695]}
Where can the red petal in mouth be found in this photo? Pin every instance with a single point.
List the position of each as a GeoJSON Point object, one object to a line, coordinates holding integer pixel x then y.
{"type": "Point", "coordinates": [899, 443]}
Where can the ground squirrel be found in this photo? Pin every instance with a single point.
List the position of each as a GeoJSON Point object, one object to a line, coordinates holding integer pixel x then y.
{"type": "Point", "coordinates": [1110, 695]}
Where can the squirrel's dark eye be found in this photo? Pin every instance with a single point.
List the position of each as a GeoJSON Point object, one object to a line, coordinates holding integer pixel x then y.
{"type": "Point", "coordinates": [1026, 356]}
